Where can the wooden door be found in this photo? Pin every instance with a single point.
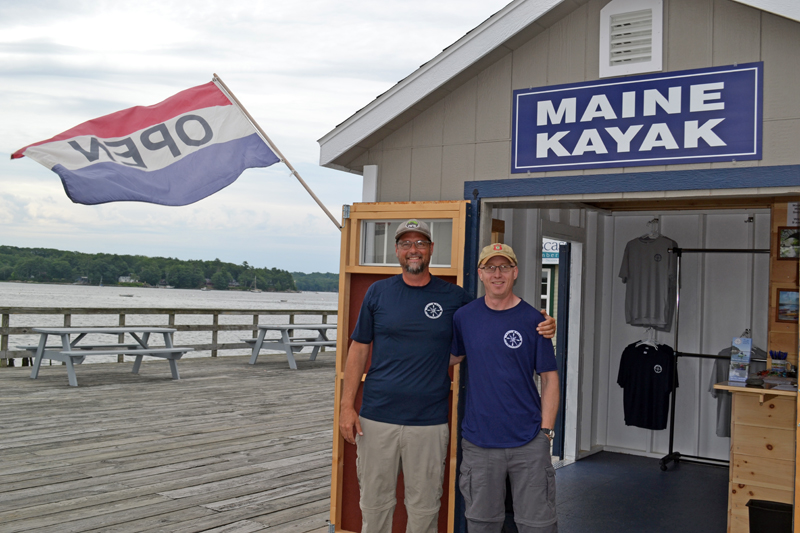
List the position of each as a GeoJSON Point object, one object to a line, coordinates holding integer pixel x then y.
{"type": "Point", "coordinates": [367, 254]}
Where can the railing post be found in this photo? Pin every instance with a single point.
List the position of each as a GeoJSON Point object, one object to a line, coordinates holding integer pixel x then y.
{"type": "Point", "coordinates": [291, 321]}
{"type": "Point", "coordinates": [255, 325]}
{"type": "Point", "coordinates": [4, 340]}
{"type": "Point", "coordinates": [121, 358]}
{"type": "Point", "coordinates": [67, 324]}
{"type": "Point", "coordinates": [214, 335]}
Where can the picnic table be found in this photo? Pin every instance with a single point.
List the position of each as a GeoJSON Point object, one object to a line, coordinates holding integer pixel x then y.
{"type": "Point", "coordinates": [290, 343]}
{"type": "Point", "coordinates": [72, 352]}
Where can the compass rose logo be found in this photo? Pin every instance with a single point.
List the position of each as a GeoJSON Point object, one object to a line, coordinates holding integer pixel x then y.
{"type": "Point", "coordinates": [433, 310]}
{"type": "Point", "coordinates": [513, 339]}
{"type": "Point", "coordinates": [657, 369]}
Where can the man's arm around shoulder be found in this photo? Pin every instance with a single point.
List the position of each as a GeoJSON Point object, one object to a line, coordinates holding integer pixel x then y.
{"type": "Point", "coordinates": [349, 423]}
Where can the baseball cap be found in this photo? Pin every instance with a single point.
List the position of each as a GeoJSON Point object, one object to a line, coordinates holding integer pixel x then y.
{"type": "Point", "coordinates": [497, 249]}
{"type": "Point", "coordinates": [412, 225]}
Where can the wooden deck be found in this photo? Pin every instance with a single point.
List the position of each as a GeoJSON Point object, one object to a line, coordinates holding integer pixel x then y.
{"type": "Point", "coordinates": [229, 448]}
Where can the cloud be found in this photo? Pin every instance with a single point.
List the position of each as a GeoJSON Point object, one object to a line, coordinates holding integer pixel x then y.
{"type": "Point", "coordinates": [300, 68]}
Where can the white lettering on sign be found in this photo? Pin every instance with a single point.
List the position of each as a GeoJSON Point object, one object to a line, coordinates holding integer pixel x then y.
{"type": "Point", "coordinates": [564, 111]}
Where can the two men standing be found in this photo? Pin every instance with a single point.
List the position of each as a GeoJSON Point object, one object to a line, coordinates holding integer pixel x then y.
{"type": "Point", "coordinates": [408, 322]}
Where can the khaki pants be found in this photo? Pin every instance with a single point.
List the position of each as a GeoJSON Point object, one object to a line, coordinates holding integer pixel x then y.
{"type": "Point", "coordinates": [383, 451]}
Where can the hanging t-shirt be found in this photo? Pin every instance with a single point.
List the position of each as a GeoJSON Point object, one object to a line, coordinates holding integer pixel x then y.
{"type": "Point", "coordinates": [502, 407]}
{"type": "Point", "coordinates": [646, 375]}
{"type": "Point", "coordinates": [649, 272]}
{"type": "Point", "coordinates": [410, 329]}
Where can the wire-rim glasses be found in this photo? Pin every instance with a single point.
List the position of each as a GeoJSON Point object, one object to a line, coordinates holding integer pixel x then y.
{"type": "Point", "coordinates": [505, 269]}
{"type": "Point", "coordinates": [419, 245]}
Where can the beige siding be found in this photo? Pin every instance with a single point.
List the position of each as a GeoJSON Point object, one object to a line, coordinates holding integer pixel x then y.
{"type": "Point", "coordinates": [426, 173]}
{"type": "Point", "coordinates": [780, 40]}
{"type": "Point", "coordinates": [530, 63]}
{"type": "Point", "coordinates": [459, 113]}
{"type": "Point", "coordinates": [688, 42]}
{"type": "Point", "coordinates": [458, 166]}
{"type": "Point", "coordinates": [467, 134]}
{"type": "Point", "coordinates": [567, 49]}
{"type": "Point", "coordinates": [737, 33]}
{"type": "Point", "coordinates": [395, 176]}
{"type": "Point", "coordinates": [493, 118]}
{"type": "Point", "coordinates": [428, 127]}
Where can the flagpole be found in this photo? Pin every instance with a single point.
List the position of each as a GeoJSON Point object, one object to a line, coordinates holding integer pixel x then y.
{"type": "Point", "coordinates": [274, 148]}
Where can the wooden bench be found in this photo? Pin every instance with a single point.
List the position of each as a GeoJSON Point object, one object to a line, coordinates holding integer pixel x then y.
{"type": "Point", "coordinates": [291, 344]}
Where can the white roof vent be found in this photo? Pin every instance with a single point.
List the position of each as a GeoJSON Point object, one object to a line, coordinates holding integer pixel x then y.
{"type": "Point", "coordinates": [630, 37]}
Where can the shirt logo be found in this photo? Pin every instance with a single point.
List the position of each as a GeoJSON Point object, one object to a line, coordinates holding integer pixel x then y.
{"type": "Point", "coordinates": [657, 257]}
{"type": "Point", "coordinates": [657, 369]}
{"type": "Point", "coordinates": [433, 310]}
{"type": "Point", "coordinates": [512, 339]}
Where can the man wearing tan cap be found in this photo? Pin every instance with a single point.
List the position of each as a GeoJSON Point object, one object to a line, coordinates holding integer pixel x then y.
{"type": "Point", "coordinates": [507, 426]}
{"type": "Point", "coordinates": [408, 321]}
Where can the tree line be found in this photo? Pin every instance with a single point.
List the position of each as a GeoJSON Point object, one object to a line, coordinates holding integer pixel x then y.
{"type": "Point", "coordinates": [49, 265]}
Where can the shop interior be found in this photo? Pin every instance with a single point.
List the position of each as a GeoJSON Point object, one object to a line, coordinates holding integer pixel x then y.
{"type": "Point", "coordinates": [721, 296]}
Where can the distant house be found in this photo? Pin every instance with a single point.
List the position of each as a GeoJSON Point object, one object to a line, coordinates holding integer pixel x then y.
{"type": "Point", "coordinates": [83, 280]}
{"type": "Point", "coordinates": [126, 279]}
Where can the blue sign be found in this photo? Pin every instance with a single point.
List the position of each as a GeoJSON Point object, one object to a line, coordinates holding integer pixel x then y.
{"type": "Point", "coordinates": [692, 116]}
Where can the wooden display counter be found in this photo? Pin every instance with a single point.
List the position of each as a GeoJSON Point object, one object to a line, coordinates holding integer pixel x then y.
{"type": "Point", "coordinates": [762, 449]}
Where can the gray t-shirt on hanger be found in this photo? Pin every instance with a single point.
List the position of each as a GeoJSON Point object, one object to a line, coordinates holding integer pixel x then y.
{"type": "Point", "coordinates": [649, 272]}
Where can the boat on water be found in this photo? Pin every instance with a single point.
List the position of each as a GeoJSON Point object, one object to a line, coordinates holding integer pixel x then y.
{"type": "Point", "coordinates": [255, 286]}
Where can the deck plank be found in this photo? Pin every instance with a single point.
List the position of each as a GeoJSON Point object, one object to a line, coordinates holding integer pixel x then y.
{"type": "Point", "coordinates": [231, 447]}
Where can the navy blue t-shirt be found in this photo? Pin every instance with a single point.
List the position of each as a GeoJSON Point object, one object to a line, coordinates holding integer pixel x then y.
{"type": "Point", "coordinates": [503, 408]}
{"type": "Point", "coordinates": [410, 329]}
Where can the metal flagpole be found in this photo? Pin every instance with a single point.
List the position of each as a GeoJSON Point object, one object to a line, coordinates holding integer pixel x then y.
{"type": "Point", "coordinates": [272, 146]}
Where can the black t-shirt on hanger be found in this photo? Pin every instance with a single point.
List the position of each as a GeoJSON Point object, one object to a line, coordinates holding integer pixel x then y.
{"type": "Point", "coordinates": [646, 375]}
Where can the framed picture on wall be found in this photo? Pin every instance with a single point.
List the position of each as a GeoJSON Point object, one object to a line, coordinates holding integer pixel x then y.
{"type": "Point", "coordinates": [788, 305]}
{"type": "Point", "coordinates": [788, 242]}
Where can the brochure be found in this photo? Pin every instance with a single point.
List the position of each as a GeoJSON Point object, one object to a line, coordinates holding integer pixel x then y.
{"type": "Point", "coordinates": [740, 359]}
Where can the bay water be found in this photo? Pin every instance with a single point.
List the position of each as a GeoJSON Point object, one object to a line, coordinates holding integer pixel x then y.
{"type": "Point", "coordinates": [13, 294]}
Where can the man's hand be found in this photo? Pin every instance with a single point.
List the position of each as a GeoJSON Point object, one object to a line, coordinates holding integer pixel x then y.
{"type": "Point", "coordinates": [349, 424]}
{"type": "Point", "coordinates": [455, 359]}
{"type": "Point", "coordinates": [547, 329]}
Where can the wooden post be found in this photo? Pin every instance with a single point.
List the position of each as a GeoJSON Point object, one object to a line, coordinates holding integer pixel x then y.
{"type": "Point", "coordinates": [4, 340]}
{"type": "Point", "coordinates": [214, 335]}
{"type": "Point", "coordinates": [121, 358]}
{"type": "Point", "coordinates": [255, 326]}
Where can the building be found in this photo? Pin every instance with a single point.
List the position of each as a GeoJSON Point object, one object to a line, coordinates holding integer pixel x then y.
{"type": "Point", "coordinates": [594, 122]}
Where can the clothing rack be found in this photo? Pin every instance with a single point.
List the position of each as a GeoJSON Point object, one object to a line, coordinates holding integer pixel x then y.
{"type": "Point", "coordinates": [673, 455]}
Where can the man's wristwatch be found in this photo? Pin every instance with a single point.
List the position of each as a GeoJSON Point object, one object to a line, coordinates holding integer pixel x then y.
{"type": "Point", "coordinates": [549, 432]}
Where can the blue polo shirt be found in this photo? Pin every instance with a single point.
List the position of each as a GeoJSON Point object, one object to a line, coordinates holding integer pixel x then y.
{"type": "Point", "coordinates": [410, 329]}
{"type": "Point", "coordinates": [503, 408]}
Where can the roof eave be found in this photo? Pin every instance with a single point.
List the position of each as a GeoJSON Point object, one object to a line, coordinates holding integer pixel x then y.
{"type": "Point", "coordinates": [431, 76]}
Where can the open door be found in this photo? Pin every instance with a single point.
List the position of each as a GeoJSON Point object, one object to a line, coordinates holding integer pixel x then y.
{"type": "Point", "coordinates": [367, 255]}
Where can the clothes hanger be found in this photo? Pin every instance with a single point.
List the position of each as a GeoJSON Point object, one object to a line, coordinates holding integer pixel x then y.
{"type": "Point", "coordinates": [650, 338]}
{"type": "Point", "coordinates": [653, 231]}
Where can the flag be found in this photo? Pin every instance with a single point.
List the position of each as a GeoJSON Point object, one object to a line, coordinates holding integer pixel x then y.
{"type": "Point", "coordinates": [176, 152]}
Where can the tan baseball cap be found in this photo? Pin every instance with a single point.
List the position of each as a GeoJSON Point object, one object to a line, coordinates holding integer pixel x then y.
{"type": "Point", "coordinates": [497, 249]}
{"type": "Point", "coordinates": [412, 225]}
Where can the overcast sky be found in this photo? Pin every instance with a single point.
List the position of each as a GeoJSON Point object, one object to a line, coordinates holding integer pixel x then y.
{"type": "Point", "coordinates": [300, 68]}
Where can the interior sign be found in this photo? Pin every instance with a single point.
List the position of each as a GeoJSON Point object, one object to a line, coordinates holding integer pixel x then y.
{"type": "Point", "coordinates": [692, 116]}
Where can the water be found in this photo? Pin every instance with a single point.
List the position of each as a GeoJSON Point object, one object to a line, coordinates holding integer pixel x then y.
{"type": "Point", "coordinates": [72, 296]}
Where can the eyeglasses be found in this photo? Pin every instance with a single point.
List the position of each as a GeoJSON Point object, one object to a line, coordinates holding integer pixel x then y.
{"type": "Point", "coordinates": [419, 245]}
{"type": "Point", "coordinates": [505, 269]}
